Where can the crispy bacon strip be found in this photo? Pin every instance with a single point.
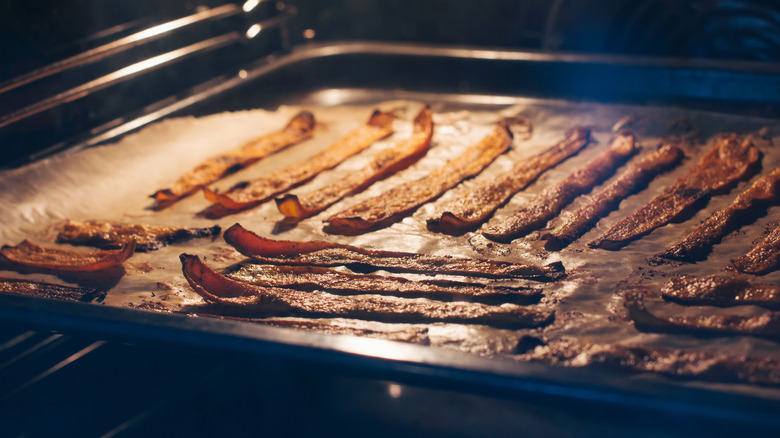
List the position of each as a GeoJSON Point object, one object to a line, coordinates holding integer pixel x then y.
{"type": "Point", "coordinates": [698, 243]}
{"type": "Point", "coordinates": [319, 253]}
{"type": "Point", "coordinates": [550, 202]}
{"type": "Point", "coordinates": [30, 255]}
{"type": "Point", "coordinates": [247, 298]}
{"type": "Point", "coordinates": [762, 259]}
{"type": "Point", "coordinates": [766, 325]}
{"type": "Point", "coordinates": [314, 277]}
{"type": "Point", "coordinates": [669, 362]}
{"type": "Point", "coordinates": [401, 200]}
{"type": "Point", "coordinates": [104, 234]}
{"type": "Point", "coordinates": [474, 205]}
{"type": "Point", "coordinates": [249, 194]}
{"type": "Point", "coordinates": [731, 159]}
{"type": "Point", "coordinates": [385, 163]}
{"type": "Point", "coordinates": [297, 130]}
{"type": "Point", "coordinates": [638, 174]}
{"type": "Point", "coordinates": [29, 288]}
{"type": "Point", "coordinates": [715, 290]}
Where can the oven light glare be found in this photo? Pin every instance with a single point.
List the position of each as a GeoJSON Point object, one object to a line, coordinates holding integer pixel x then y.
{"type": "Point", "coordinates": [253, 31]}
{"type": "Point", "coordinates": [242, 74]}
{"type": "Point", "coordinates": [394, 390]}
{"type": "Point", "coordinates": [250, 4]}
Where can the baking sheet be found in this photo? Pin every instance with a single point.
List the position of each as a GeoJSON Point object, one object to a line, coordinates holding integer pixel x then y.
{"type": "Point", "coordinates": [113, 182]}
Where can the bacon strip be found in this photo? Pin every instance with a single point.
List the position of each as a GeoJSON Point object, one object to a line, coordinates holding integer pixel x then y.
{"type": "Point", "coordinates": [319, 253]}
{"type": "Point", "coordinates": [313, 277]}
{"type": "Point", "coordinates": [49, 290]}
{"type": "Point", "coordinates": [30, 255]}
{"type": "Point", "coordinates": [762, 259]}
{"type": "Point", "coordinates": [300, 128]}
{"type": "Point", "coordinates": [731, 159]}
{"type": "Point", "coordinates": [670, 362]}
{"type": "Point", "coordinates": [698, 243]}
{"type": "Point", "coordinates": [400, 201]}
{"type": "Point", "coordinates": [104, 234]}
{"type": "Point", "coordinates": [249, 194]}
{"type": "Point", "coordinates": [721, 291]}
{"type": "Point", "coordinates": [385, 163]}
{"type": "Point", "coordinates": [550, 202]}
{"type": "Point", "coordinates": [766, 325]}
{"type": "Point", "coordinates": [638, 175]}
{"type": "Point", "coordinates": [473, 206]}
{"type": "Point", "coordinates": [246, 298]}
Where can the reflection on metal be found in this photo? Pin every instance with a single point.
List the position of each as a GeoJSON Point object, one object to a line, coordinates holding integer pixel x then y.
{"type": "Point", "coordinates": [249, 5]}
{"type": "Point", "coordinates": [394, 390]}
{"type": "Point", "coordinates": [253, 30]}
{"type": "Point", "coordinates": [120, 76]}
{"type": "Point", "coordinates": [309, 34]}
{"type": "Point", "coordinates": [119, 45]}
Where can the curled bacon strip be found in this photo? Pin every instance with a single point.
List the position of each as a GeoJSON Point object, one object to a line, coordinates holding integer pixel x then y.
{"type": "Point", "coordinates": [762, 259]}
{"type": "Point", "coordinates": [721, 291]}
{"type": "Point", "coordinates": [695, 246]}
{"type": "Point", "coordinates": [551, 201]}
{"type": "Point", "coordinates": [638, 174]}
{"type": "Point", "coordinates": [731, 159]}
{"type": "Point", "coordinates": [48, 290]}
{"type": "Point", "coordinates": [314, 277]}
{"type": "Point", "coordinates": [319, 253]}
{"type": "Point", "coordinates": [298, 129]}
{"type": "Point", "coordinates": [401, 200]}
{"type": "Point", "coordinates": [30, 255]}
{"type": "Point", "coordinates": [385, 163]}
{"type": "Point", "coordinates": [246, 298]}
{"type": "Point", "coordinates": [104, 234]}
{"type": "Point", "coordinates": [472, 206]}
{"type": "Point", "coordinates": [766, 325]}
{"type": "Point", "coordinates": [249, 194]}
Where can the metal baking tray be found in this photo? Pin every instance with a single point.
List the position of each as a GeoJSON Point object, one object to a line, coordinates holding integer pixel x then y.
{"type": "Point", "coordinates": [338, 74]}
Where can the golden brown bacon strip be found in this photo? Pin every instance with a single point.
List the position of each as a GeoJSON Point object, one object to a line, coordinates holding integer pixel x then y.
{"type": "Point", "coordinates": [766, 325]}
{"type": "Point", "coordinates": [669, 362]}
{"type": "Point", "coordinates": [385, 163]}
{"type": "Point", "coordinates": [48, 290]}
{"type": "Point", "coordinates": [698, 243]}
{"type": "Point", "coordinates": [249, 194]}
{"type": "Point", "coordinates": [638, 174]}
{"type": "Point", "coordinates": [319, 253]}
{"type": "Point", "coordinates": [313, 277]}
{"type": "Point", "coordinates": [548, 204]}
{"type": "Point", "coordinates": [298, 129]}
{"type": "Point", "coordinates": [721, 291]}
{"type": "Point", "coordinates": [30, 255]}
{"type": "Point", "coordinates": [473, 206]}
{"type": "Point", "coordinates": [762, 259]}
{"type": "Point", "coordinates": [104, 234]}
{"type": "Point", "coordinates": [732, 158]}
{"type": "Point", "coordinates": [401, 200]}
{"type": "Point", "coordinates": [246, 298]}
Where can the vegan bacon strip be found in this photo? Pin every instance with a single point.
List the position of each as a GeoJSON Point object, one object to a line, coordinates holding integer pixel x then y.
{"type": "Point", "coordinates": [30, 255]}
{"type": "Point", "coordinates": [48, 290]}
{"type": "Point", "coordinates": [385, 163]}
{"type": "Point", "coordinates": [104, 234]}
{"type": "Point", "coordinates": [698, 243]}
{"type": "Point", "coordinates": [247, 298]}
{"type": "Point", "coordinates": [401, 200]}
{"type": "Point", "coordinates": [766, 325]}
{"type": "Point", "coordinates": [472, 206]}
{"type": "Point", "coordinates": [320, 253]}
{"type": "Point", "coordinates": [550, 202]}
{"type": "Point", "coordinates": [314, 277]}
{"type": "Point", "coordinates": [732, 158]}
{"type": "Point", "coordinates": [721, 291]}
{"type": "Point", "coordinates": [298, 129]}
{"type": "Point", "coordinates": [638, 174]}
{"type": "Point", "coordinates": [762, 259]}
{"type": "Point", "coordinates": [249, 194]}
